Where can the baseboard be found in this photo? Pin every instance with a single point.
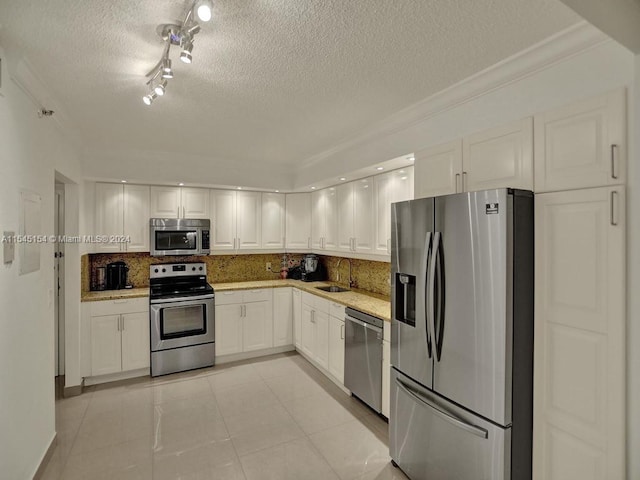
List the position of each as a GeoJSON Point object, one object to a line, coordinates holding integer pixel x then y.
{"type": "Point", "coordinates": [325, 372]}
{"type": "Point", "coordinates": [46, 458]}
{"type": "Point", "coordinates": [73, 391]}
{"type": "Point", "coordinates": [234, 357]}
{"type": "Point", "coordinates": [114, 377]}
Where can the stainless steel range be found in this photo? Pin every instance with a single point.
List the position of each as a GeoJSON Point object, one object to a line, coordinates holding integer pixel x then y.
{"type": "Point", "coordinates": [181, 318]}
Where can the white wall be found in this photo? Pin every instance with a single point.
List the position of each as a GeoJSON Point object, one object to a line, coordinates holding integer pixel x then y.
{"type": "Point", "coordinates": [31, 150]}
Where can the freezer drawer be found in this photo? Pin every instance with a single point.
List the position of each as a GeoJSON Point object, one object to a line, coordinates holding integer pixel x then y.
{"type": "Point", "coordinates": [432, 439]}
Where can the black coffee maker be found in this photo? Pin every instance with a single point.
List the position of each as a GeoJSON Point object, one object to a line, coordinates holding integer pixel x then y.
{"type": "Point", "coordinates": [117, 275]}
{"type": "Point", "coordinates": [312, 269]}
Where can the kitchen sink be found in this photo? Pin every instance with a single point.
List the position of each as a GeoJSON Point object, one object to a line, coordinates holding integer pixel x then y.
{"type": "Point", "coordinates": [333, 289]}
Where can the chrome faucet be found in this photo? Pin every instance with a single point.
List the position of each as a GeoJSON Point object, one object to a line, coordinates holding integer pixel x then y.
{"type": "Point", "coordinates": [338, 273]}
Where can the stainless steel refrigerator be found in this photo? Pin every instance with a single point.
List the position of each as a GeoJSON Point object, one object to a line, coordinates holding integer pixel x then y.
{"type": "Point", "coordinates": [462, 336]}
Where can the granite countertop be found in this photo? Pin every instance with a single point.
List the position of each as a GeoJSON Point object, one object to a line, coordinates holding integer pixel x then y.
{"type": "Point", "coordinates": [367, 302]}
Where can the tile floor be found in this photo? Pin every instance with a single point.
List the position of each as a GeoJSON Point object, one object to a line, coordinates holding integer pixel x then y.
{"type": "Point", "coordinates": [275, 418]}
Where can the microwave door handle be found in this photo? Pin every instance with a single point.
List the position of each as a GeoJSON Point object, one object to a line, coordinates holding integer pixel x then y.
{"type": "Point", "coordinates": [425, 301]}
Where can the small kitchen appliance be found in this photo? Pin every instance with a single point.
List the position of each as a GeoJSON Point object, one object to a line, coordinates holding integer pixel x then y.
{"type": "Point", "coordinates": [179, 236]}
{"type": "Point", "coordinates": [100, 281]}
{"type": "Point", "coordinates": [311, 269]}
{"type": "Point", "coordinates": [116, 275]}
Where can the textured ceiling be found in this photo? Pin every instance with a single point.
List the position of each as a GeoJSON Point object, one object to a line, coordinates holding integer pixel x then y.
{"type": "Point", "coordinates": [274, 81]}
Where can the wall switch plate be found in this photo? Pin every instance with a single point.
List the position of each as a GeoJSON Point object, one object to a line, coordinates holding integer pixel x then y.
{"type": "Point", "coordinates": [8, 247]}
{"type": "Point", "coordinates": [268, 266]}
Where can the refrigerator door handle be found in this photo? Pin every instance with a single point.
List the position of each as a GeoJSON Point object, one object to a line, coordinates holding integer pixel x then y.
{"type": "Point", "coordinates": [467, 427]}
{"type": "Point", "coordinates": [431, 290]}
{"type": "Point", "coordinates": [426, 257]}
{"type": "Point", "coordinates": [438, 317]}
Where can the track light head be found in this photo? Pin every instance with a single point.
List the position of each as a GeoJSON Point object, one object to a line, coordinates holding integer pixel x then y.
{"type": "Point", "coordinates": [149, 98]}
{"type": "Point", "coordinates": [187, 48]}
{"type": "Point", "coordinates": [203, 9]}
{"type": "Point", "coordinates": [160, 88]}
{"type": "Point", "coordinates": [167, 72]}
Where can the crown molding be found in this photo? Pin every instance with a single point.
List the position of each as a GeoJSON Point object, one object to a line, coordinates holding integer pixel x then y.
{"type": "Point", "coordinates": [557, 48]}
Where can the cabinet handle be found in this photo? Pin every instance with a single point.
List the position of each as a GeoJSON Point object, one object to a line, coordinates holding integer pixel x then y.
{"type": "Point", "coordinates": [342, 332]}
{"type": "Point", "coordinates": [178, 213]}
{"type": "Point", "coordinates": [614, 201]}
{"type": "Point", "coordinates": [464, 182]}
{"type": "Point", "coordinates": [313, 316]}
{"type": "Point", "coordinates": [457, 181]}
{"type": "Point", "coordinates": [614, 149]}
{"type": "Point", "coordinates": [184, 214]}
{"type": "Point", "coordinates": [239, 244]}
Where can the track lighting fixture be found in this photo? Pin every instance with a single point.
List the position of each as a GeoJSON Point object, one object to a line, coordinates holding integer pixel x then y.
{"type": "Point", "coordinates": [182, 36]}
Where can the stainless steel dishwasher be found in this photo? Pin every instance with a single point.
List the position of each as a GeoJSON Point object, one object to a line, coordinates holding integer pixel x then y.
{"type": "Point", "coordinates": [363, 357]}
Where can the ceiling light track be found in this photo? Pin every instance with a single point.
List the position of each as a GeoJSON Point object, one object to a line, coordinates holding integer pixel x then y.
{"type": "Point", "coordinates": [179, 35]}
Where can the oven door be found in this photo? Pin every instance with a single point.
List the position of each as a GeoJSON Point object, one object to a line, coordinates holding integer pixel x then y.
{"type": "Point", "coordinates": [182, 322]}
{"type": "Point", "coordinates": [174, 240]}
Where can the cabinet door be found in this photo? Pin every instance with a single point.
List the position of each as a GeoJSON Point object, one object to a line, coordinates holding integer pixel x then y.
{"type": "Point", "coordinates": [257, 326]}
{"type": "Point", "coordinates": [336, 348]}
{"type": "Point", "coordinates": [298, 221]}
{"type": "Point", "coordinates": [383, 189]}
{"type": "Point", "coordinates": [136, 217]}
{"type": "Point", "coordinates": [105, 345]}
{"type": "Point", "coordinates": [307, 331]}
{"type": "Point", "coordinates": [344, 201]}
{"type": "Point", "coordinates": [579, 357]}
{"type": "Point", "coordinates": [363, 217]}
{"type": "Point", "coordinates": [165, 202]}
{"type": "Point", "coordinates": [223, 219]}
{"type": "Point", "coordinates": [318, 219]}
{"type": "Point", "coordinates": [248, 220]}
{"type": "Point", "coordinates": [330, 240]}
{"type": "Point", "coordinates": [135, 341]}
{"type": "Point", "coordinates": [282, 317]}
{"type": "Point", "coordinates": [386, 371]}
{"type": "Point", "coordinates": [438, 170]}
{"type": "Point", "coordinates": [273, 212]}
{"type": "Point", "coordinates": [499, 157]}
{"type": "Point", "coordinates": [109, 215]}
{"type": "Point", "coordinates": [297, 318]}
{"type": "Point", "coordinates": [321, 352]}
{"type": "Point", "coordinates": [228, 326]}
{"type": "Point", "coordinates": [195, 202]}
{"type": "Point", "coordinates": [582, 144]}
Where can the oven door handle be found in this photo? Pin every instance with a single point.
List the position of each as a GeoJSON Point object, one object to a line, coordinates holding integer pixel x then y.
{"type": "Point", "coordinates": [182, 299]}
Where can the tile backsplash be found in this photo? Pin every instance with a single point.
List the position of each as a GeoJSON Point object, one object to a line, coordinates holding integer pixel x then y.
{"type": "Point", "coordinates": [366, 274]}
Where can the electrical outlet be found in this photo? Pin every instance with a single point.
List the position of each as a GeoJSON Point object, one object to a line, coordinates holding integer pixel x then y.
{"type": "Point", "coordinates": [268, 266]}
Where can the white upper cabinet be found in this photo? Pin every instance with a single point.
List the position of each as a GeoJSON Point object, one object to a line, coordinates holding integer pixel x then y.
{"type": "Point", "coordinates": [223, 220]}
{"type": "Point", "coordinates": [236, 220]}
{"type": "Point", "coordinates": [248, 220]}
{"type": "Point", "coordinates": [273, 217]}
{"type": "Point", "coordinates": [391, 187]}
{"type": "Point", "coordinates": [496, 158]}
{"type": "Point", "coordinates": [317, 219]}
{"type": "Point", "coordinates": [179, 202]}
{"type": "Point", "coordinates": [324, 215]}
{"type": "Point", "coordinates": [438, 170]}
{"type": "Point", "coordinates": [344, 202]}
{"type": "Point", "coordinates": [109, 215]}
{"type": "Point", "coordinates": [298, 223]}
{"type": "Point", "coordinates": [499, 157]}
{"type": "Point", "coordinates": [582, 144]}
{"type": "Point", "coordinates": [136, 217]}
{"type": "Point", "coordinates": [363, 216]}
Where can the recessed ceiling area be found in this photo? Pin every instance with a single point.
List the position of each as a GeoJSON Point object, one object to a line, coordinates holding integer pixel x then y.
{"type": "Point", "coordinates": [272, 83]}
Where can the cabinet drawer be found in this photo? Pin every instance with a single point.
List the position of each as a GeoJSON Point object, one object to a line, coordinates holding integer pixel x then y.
{"type": "Point", "coordinates": [308, 299]}
{"type": "Point", "coordinates": [229, 297]}
{"type": "Point", "coordinates": [336, 310]}
{"type": "Point", "coordinates": [321, 305]}
{"type": "Point", "coordinates": [117, 307]}
{"type": "Point", "coordinates": [257, 295]}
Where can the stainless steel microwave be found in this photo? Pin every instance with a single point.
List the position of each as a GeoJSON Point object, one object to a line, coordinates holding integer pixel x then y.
{"type": "Point", "coordinates": [179, 236]}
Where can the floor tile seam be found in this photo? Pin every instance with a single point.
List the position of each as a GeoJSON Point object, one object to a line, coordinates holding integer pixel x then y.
{"type": "Point", "coordinates": [273, 445]}
{"type": "Point", "coordinates": [326, 460]}
{"type": "Point", "coordinates": [75, 437]}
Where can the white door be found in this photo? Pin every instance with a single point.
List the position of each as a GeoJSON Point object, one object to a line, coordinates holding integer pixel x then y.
{"type": "Point", "coordinates": [136, 217]}
{"type": "Point", "coordinates": [257, 326]}
{"type": "Point", "coordinates": [223, 219]}
{"type": "Point", "coordinates": [344, 206]}
{"type": "Point", "coordinates": [499, 157]}
{"type": "Point", "coordinates": [248, 220]}
{"type": "Point", "coordinates": [330, 239]}
{"type": "Point", "coordinates": [582, 144]}
{"type": "Point", "coordinates": [109, 215]}
{"type": "Point", "coordinates": [135, 341]}
{"type": "Point", "coordinates": [307, 331]}
{"type": "Point", "coordinates": [195, 203]}
{"type": "Point", "coordinates": [298, 206]}
{"type": "Point", "coordinates": [579, 383]}
{"type": "Point", "coordinates": [282, 317]}
{"type": "Point", "coordinates": [318, 219]}
{"type": "Point", "coordinates": [383, 189]}
{"type": "Point", "coordinates": [297, 317]}
{"type": "Point", "coordinates": [165, 202]}
{"type": "Point", "coordinates": [363, 217]}
{"type": "Point", "coordinates": [273, 213]}
{"type": "Point", "coordinates": [321, 352]}
{"type": "Point", "coordinates": [336, 348]}
{"type": "Point", "coordinates": [105, 345]}
{"type": "Point", "coordinates": [228, 326]}
{"type": "Point", "coordinates": [438, 170]}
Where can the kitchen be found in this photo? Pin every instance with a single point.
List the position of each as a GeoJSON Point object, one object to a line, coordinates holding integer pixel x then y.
{"type": "Point", "coordinates": [537, 88]}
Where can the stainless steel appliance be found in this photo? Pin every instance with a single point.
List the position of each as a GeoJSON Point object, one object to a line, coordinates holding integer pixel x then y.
{"type": "Point", "coordinates": [116, 275]}
{"type": "Point", "coordinates": [363, 357]}
{"type": "Point", "coordinates": [179, 236]}
{"type": "Point", "coordinates": [311, 269]}
{"type": "Point", "coordinates": [462, 336]}
{"type": "Point", "coordinates": [182, 318]}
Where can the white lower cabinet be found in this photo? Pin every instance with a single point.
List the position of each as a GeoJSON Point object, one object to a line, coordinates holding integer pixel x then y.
{"type": "Point", "coordinates": [119, 338]}
{"type": "Point", "coordinates": [336, 347]}
{"type": "Point", "coordinates": [244, 321]}
{"type": "Point", "coordinates": [282, 317]}
{"type": "Point", "coordinates": [314, 341]}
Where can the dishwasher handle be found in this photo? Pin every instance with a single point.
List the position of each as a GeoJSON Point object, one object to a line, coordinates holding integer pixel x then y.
{"type": "Point", "coordinates": [364, 324]}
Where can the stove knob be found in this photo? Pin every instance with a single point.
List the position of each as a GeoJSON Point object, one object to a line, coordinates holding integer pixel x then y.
{"type": "Point", "coordinates": [193, 268]}
{"type": "Point", "coordinates": [200, 268]}
{"type": "Point", "coordinates": [156, 270]}
{"type": "Point", "coordinates": [164, 270]}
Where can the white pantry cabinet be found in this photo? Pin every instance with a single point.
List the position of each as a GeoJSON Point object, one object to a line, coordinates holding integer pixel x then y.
{"type": "Point", "coordinates": [179, 202]}
{"type": "Point", "coordinates": [119, 336]}
{"type": "Point", "coordinates": [236, 220]}
{"type": "Point", "coordinates": [283, 316]}
{"type": "Point", "coordinates": [582, 145]}
{"type": "Point", "coordinates": [336, 342]}
{"type": "Point", "coordinates": [324, 219]}
{"type": "Point", "coordinates": [298, 223]}
{"type": "Point", "coordinates": [579, 358]}
{"type": "Point", "coordinates": [273, 220]}
{"type": "Point", "coordinates": [391, 187]}
{"type": "Point", "coordinates": [355, 216]}
{"type": "Point", "coordinates": [122, 210]}
{"type": "Point", "coordinates": [495, 158]}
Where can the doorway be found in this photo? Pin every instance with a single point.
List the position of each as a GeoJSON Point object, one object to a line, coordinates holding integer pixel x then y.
{"type": "Point", "coordinates": [58, 279]}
